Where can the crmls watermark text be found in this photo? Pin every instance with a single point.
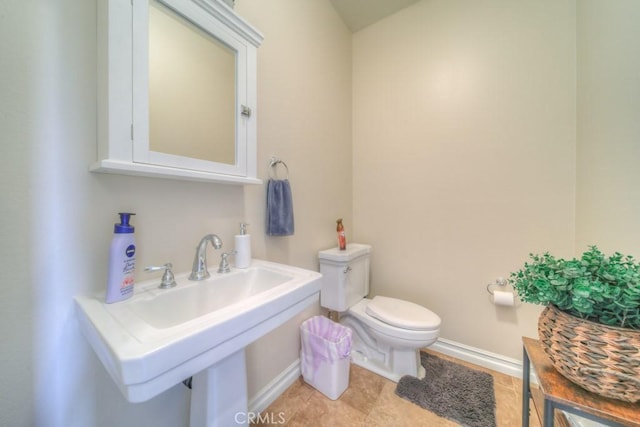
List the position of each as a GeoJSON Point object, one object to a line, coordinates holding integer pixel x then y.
{"type": "Point", "coordinates": [270, 418]}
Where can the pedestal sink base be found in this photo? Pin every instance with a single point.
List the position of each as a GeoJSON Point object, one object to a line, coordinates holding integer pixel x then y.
{"type": "Point", "coordinates": [219, 394]}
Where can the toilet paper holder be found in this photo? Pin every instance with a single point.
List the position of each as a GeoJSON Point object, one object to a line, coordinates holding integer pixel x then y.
{"type": "Point", "coordinates": [500, 281]}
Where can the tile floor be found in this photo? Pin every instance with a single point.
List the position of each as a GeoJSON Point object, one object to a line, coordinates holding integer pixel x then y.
{"type": "Point", "coordinates": [370, 401]}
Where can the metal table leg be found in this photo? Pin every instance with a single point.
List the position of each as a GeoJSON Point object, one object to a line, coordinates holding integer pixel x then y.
{"type": "Point", "coordinates": [548, 413]}
{"type": "Point", "coordinates": [526, 391]}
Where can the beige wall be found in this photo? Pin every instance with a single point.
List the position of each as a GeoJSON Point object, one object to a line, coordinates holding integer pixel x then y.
{"type": "Point", "coordinates": [464, 155]}
{"type": "Point", "coordinates": [608, 202]}
{"type": "Point", "coordinates": [304, 108]}
{"type": "Point", "coordinates": [16, 315]}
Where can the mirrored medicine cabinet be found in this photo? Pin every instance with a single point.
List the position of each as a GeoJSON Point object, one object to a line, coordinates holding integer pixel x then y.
{"type": "Point", "coordinates": [177, 91]}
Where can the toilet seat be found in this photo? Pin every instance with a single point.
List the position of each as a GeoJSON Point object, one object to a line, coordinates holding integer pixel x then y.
{"type": "Point", "coordinates": [403, 314]}
{"type": "Point", "coordinates": [359, 311]}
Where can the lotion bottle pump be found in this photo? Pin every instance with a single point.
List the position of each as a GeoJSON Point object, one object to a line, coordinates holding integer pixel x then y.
{"type": "Point", "coordinates": [122, 261]}
{"type": "Point", "coordinates": [243, 247]}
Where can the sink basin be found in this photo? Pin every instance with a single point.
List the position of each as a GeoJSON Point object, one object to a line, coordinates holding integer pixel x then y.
{"type": "Point", "coordinates": [159, 337]}
{"type": "Point", "coordinates": [163, 309]}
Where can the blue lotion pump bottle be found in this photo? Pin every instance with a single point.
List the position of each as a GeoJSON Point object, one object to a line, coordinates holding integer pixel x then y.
{"type": "Point", "coordinates": [122, 261]}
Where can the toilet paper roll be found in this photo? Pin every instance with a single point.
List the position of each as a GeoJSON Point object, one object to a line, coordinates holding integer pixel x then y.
{"type": "Point", "coordinates": [503, 298]}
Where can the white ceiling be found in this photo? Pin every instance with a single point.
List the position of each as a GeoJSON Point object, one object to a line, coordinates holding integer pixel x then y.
{"type": "Point", "coordinates": [357, 14]}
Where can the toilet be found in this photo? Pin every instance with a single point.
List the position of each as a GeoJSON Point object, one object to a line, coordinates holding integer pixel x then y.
{"type": "Point", "coordinates": [387, 332]}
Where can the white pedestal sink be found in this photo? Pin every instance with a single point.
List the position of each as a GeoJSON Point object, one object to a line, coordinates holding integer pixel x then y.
{"type": "Point", "coordinates": [159, 337]}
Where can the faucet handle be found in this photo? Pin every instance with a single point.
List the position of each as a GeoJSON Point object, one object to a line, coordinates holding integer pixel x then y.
{"type": "Point", "coordinates": [224, 262]}
{"type": "Point", "coordinates": [168, 279]}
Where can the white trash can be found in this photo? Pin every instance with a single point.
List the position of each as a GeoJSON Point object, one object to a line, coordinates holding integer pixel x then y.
{"type": "Point", "coordinates": [325, 355]}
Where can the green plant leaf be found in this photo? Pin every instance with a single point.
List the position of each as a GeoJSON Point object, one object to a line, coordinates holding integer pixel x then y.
{"type": "Point", "coordinates": [603, 289]}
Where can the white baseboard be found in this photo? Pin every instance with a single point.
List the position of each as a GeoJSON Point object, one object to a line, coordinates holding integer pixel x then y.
{"type": "Point", "coordinates": [269, 393]}
{"type": "Point", "coordinates": [486, 359]}
{"type": "Point", "coordinates": [496, 362]}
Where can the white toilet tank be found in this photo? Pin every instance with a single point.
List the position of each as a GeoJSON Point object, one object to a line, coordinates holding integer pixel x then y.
{"type": "Point", "coordinates": [345, 276]}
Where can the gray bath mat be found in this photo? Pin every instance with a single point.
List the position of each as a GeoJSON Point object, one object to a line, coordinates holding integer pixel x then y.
{"type": "Point", "coordinates": [452, 391]}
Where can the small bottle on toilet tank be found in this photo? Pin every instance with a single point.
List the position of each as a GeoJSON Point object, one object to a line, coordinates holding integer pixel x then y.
{"type": "Point", "coordinates": [342, 239]}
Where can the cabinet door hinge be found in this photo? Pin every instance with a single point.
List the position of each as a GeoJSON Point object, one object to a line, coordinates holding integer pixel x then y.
{"type": "Point", "coordinates": [131, 132]}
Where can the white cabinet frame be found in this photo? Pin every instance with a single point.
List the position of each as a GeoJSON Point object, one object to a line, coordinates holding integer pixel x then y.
{"type": "Point", "coordinates": [123, 110]}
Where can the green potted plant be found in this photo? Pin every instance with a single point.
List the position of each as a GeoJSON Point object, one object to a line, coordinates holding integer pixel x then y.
{"type": "Point", "coordinates": [590, 328]}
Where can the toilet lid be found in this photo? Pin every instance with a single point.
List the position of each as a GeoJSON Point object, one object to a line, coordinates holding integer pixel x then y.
{"type": "Point", "coordinates": [403, 314]}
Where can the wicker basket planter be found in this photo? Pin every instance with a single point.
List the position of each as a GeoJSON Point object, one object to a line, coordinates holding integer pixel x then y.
{"type": "Point", "coordinates": [602, 359]}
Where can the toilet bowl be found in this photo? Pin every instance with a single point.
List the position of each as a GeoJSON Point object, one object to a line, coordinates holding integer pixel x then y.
{"type": "Point", "coordinates": [388, 332]}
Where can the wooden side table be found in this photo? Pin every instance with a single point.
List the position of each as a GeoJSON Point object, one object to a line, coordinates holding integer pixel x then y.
{"type": "Point", "coordinates": [557, 392]}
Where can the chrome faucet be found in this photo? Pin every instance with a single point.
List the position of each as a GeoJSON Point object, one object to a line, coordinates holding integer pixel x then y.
{"type": "Point", "coordinates": [199, 270]}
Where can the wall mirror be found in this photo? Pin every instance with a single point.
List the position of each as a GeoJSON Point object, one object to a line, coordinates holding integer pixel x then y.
{"type": "Point", "coordinates": [192, 89]}
{"type": "Point", "coordinates": [177, 92]}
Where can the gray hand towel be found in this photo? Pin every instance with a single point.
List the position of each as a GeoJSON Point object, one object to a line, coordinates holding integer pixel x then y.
{"type": "Point", "coordinates": [279, 208]}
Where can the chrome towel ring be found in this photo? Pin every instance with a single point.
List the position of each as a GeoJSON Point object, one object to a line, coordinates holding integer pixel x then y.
{"type": "Point", "coordinates": [273, 165]}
